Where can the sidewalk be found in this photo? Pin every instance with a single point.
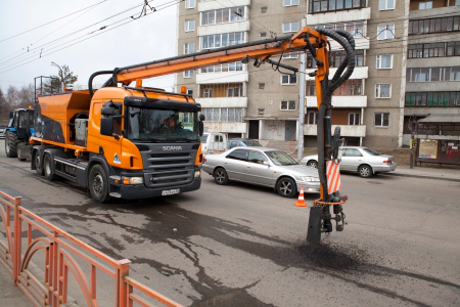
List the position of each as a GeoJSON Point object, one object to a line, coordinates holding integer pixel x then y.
{"type": "Point", "coordinates": [435, 173]}
{"type": "Point", "coordinates": [9, 294]}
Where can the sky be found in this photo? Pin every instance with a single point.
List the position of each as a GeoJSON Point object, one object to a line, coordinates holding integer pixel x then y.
{"type": "Point", "coordinates": [34, 33]}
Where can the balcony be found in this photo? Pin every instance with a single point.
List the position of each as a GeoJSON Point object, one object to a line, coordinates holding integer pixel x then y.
{"type": "Point", "coordinates": [345, 130]}
{"type": "Point", "coordinates": [360, 72]}
{"type": "Point", "coordinates": [223, 102]}
{"type": "Point", "coordinates": [231, 127]}
{"type": "Point", "coordinates": [216, 5]}
{"type": "Point", "coordinates": [340, 101]}
{"type": "Point", "coordinates": [222, 77]}
{"type": "Point", "coordinates": [237, 26]}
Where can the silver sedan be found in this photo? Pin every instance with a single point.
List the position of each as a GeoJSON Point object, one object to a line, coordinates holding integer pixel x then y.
{"type": "Point", "coordinates": [262, 166]}
{"type": "Point", "coordinates": [363, 160]}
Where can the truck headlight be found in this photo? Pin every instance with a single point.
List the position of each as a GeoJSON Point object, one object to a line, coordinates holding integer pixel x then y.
{"type": "Point", "coordinates": [197, 174]}
{"type": "Point", "coordinates": [132, 180]}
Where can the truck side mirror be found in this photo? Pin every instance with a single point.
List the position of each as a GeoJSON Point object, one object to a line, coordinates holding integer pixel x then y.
{"type": "Point", "coordinates": [107, 125]}
{"type": "Point", "coordinates": [201, 125]}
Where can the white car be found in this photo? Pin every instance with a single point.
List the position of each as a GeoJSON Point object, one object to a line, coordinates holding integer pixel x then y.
{"type": "Point", "coordinates": [2, 132]}
{"type": "Point", "coordinates": [363, 160]}
{"type": "Point", "coordinates": [262, 166]}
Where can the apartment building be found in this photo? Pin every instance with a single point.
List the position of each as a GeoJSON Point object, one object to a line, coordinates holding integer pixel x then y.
{"type": "Point", "coordinates": [373, 107]}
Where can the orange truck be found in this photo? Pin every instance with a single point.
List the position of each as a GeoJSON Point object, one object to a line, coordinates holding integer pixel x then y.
{"type": "Point", "coordinates": [128, 141]}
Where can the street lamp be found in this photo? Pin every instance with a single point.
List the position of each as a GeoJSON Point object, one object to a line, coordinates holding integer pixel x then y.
{"type": "Point", "coordinates": [61, 75]}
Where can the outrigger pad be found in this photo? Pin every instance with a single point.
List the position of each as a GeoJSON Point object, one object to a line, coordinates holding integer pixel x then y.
{"type": "Point", "coordinates": [314, 226]}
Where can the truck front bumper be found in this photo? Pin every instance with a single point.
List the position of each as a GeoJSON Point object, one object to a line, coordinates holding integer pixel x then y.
{"type": "Point", "coordinates": [140, 191]}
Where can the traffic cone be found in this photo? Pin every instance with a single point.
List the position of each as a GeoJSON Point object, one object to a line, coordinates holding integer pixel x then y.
{"type": "Point", "coordinates": [301, 201]}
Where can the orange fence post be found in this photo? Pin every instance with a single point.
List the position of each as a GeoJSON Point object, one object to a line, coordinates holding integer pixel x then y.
{"type": "Point", "coordinates": [122, 288]}
{"type": "Point", "coordinates": [17, 240]}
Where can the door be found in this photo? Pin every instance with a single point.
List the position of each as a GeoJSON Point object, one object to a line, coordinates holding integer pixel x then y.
{"type": "Point", "coordinates": [254, 129]}
{"type": "Point", "coordinates": [235, 164]}
{"type": "Point", "coordinates": [351, 159]}
{"type": "Point", "coordinates": [256, 171]}
{"type": "Point", "coordinates": [289, 130]}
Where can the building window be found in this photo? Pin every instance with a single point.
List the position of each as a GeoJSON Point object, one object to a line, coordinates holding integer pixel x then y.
{"type": "Point", "coordinates": [291, 55]}
{"type": "Point", "coordinates": [432, 99]}
{"type": "Point", "coordinates": [223, 114]}
{"type": "Point", "coordinates": [357, 28]}
{"type": "Point", "coordinates": [353, 119]}
{"type": "Point", "coordinates": [434, 25]}
{"type": "Point", "coordinates": [260, 112]}
{"type": "Point", "coordinates": [263, 9]}
{"type": "Point", "coordinates": [289, 79]}
{"type": "Point", "coordinates": [316, 6]}
{"type": "Point", "coordinates": [312, 117]}
{"type": "Point", "coordinates": [382, 119]}
{"type": "Point", "coordinates": [261, 86]}
{"type": "Point", "coordinates": [337, 57]}
{"type": "Point", "coordinates": [207, 92]}
{"type": "Point", "coordinates": [290, 27]}
{"type": "Point", "coordinates": [287, 105]}
{"type": "Point", "coordinates": [290, 2]}
{"type": "Point", "coordinates": [189, 48]}
{"type": "Point", "coordinates": [221, 16]}
{"type": "Point", "coordinates": [386, 5]}
{"type": "Point", "coordinates": [190, 4]}
{"type": "Point", "coordinates": [425, 5]}
{"type": "Point", "coordinates": [188, 74]}
{"type": "Point", "coordinates": [384, 61]}
{"type": "Point", "coordinates": [434, 74]}
{"type": "Point", "coordinates": [190, 25]}
{"type": "Point", "coordinates": [190, 92]}
{"type": "Point", "coordinates": [235, 91]}
{"type": "Point", "coordinates": [233, 66]}
{"type": "Point", "coordinates": [431, 50]}
{"type": "Point", "coordinates": [221, 40]}
{"type": "Point", "coordinates": [385, 32]}
{"type": "Point", "coordinates": [382, 90]}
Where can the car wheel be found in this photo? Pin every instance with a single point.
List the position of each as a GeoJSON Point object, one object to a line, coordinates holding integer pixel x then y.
{"type": "Point", "coordinates": [48, 168]}
{"type": "Point", "coordinates": [312, 163]}
{"type": "Point", "coordinates": [365, 171]}
{"type": "Point", "coordinates": [286, 187]}
{"type": "Point", "coordinates": [220, 176]}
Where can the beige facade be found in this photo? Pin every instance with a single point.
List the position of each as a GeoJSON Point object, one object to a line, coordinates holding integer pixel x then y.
{"type": "Point", "coordinates": [371, 107]}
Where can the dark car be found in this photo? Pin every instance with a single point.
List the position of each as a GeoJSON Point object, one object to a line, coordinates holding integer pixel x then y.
{"type": "Point", "coordinates": [242, 142]}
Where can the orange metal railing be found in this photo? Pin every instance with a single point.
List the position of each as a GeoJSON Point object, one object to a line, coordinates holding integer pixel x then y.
{"type": "Point", "coordinates": [61, 254]}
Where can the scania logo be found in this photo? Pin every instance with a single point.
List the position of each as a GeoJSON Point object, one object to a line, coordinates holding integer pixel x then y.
{"type": "Point", "coordinates": [172, 148]}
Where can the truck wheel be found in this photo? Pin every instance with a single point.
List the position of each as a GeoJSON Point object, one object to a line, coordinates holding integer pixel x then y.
{"type": "Point", "coordinates": [11, 142]}
{"type": "Point", "coordinates": [98, 184]}
{"type": "Point", "coordinates": [48, 168]}
{"type": "Point", "coordinates": [286, 187]}
{"type": "Point", "coordinates": [38, 163]}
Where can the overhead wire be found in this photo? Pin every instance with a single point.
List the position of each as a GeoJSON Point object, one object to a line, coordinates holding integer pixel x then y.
{"type": "Point", "coordinates": [82, 38]}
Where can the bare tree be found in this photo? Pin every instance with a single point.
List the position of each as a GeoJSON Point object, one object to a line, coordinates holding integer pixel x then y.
{"type": "Point", "coordinates": [4, 108]}
{"type": "Point", "coordinates": [56, 82]}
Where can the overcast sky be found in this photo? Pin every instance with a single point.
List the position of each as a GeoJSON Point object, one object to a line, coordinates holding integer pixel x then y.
{"type": "Point", "coordinates": [148, 38]}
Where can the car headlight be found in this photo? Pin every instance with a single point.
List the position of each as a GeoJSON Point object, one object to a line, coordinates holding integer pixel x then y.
{"type": "Point", "coordinates": [197, 174]}
{"type": "Point", "coordinates": [132, 180]}
{"type": "Point", "coordinates": [309, 178]}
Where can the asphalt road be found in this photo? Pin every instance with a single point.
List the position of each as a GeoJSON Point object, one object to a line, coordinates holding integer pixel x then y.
{"type": "Point", "coordinates": [241, 245]}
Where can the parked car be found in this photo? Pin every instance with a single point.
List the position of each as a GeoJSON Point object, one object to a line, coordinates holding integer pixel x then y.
{"type": "Point", "coordinates": [262, 166]}
{"type": "Point", "coordinates": [363, 160]}
{"type": "Point", "coordinates": [2, 131]}
{"type": "Point", "coordinates": [242, 142]}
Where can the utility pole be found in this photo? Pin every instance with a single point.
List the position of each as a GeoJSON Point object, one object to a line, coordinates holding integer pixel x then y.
{"type": "Point", "coordinates": [61, 73]}
{"type": "Point", "coordinates": [303, 65]}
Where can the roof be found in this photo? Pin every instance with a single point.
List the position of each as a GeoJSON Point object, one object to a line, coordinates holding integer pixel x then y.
{"type": "Point", "coordinates": [441, 118]}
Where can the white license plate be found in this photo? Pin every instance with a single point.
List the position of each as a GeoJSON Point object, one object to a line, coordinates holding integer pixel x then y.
{"type": "Point", "coordinates": [170, 192]}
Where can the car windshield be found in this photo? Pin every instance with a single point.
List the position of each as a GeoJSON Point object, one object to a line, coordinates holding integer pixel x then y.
{"type": "Point", "coordinates": [371, 152]}
{"type": "Point", "coordinates": [161, 125]}
{"type": "Point", "coordinates": [251, 143]}
{"type": "Point", "coordinates": [204, 138]}
{"type": "Point", "coordinates": [281, 158]}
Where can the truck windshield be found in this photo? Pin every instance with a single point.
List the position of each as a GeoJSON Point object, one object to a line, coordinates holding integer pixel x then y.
{"type": "Point", "coordinates": [162, 125]}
